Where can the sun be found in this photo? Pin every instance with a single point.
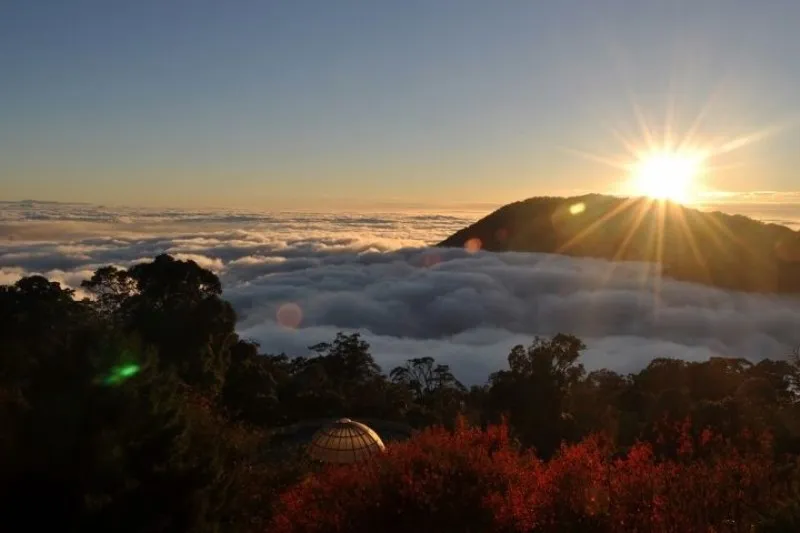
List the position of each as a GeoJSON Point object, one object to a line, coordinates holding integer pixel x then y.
{"type": "Point", "coordinates": [667, 175]}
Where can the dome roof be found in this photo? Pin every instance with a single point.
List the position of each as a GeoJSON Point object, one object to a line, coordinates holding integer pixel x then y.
{"type": "Point", "coordinates": [344, 441]}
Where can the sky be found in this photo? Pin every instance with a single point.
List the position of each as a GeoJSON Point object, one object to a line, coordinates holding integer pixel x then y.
{"type": "Point", "coordinates": [351, 104]}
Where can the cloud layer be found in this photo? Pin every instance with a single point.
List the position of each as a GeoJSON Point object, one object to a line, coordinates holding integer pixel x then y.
{"type": "Point", "coordinates": [297, 279]}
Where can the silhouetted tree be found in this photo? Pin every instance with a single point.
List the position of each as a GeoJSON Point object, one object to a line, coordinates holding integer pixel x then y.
{"type": "Point", "coordinates": [422, 376]}
{"type": "Point", "coordinates": [178, 310]}
{"type": "Point", "coordinates": [251, 390]}
{"type": "Point", "coordinates": [110, 287]}
{"type": "Point", "coordinates": [347, 359]}
{"type": "Point", "coordinates": [93, 433]}
{"type": "Point", "coordinates": [438, 394]}
{"type": "Point", "coordinates": [533, 391]}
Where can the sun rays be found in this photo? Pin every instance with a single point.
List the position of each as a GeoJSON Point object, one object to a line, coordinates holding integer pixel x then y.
{"type": "Point", "coordinates": [658, 181]}
{"type": "Point", "coordinates": [660, 170]}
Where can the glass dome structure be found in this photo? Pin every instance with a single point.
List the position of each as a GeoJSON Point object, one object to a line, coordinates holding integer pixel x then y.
{"type": "Point", "coordinates": [345, 441]}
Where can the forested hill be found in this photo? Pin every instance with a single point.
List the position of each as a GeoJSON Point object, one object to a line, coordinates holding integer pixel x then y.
{"type": "Point", "coordinates": [714, 248]}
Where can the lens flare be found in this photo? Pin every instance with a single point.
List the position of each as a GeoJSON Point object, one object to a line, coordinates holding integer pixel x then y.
{"type": "Point", "coordinates": [289, 315]}
{"type": "Point", "coordinates": [473, 245]}
{"type": "Point", "coordinates": [577, 209]}
{"type": "Point", "coordinates": [121, 373]}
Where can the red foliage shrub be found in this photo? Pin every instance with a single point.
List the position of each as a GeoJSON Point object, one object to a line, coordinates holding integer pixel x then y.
{"type": "Point", "coordinates": [437, 481]}
{"type": "Point", "coordinates": [471, 480]}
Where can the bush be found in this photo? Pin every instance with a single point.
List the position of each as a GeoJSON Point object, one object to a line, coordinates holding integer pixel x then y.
{"type": "Point", "coordinates": [472, 480]}
{"type": "Point", "coordinates": [437, 481]}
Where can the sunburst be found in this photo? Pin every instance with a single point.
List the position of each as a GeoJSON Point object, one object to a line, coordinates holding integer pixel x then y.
{"type": "Point", "coordinates": [659, 170]}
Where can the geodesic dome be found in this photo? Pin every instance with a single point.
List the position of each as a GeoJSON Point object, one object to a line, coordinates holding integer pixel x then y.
{"type": "Point", "coordinates": [345, 441]}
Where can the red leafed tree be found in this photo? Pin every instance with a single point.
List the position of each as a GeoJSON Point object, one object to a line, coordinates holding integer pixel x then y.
{"type": "Point", "coordinates": [437, 481]}
{"type": "Point", "coordinates": [473, 480]}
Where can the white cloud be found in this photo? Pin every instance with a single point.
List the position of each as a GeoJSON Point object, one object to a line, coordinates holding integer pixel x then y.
{"type": "Point", "coordinates": [468, 310]}
{"type": "Point", "coordinates": [376, 275]}
{"type": "Point", "coordinates": [211, 263]}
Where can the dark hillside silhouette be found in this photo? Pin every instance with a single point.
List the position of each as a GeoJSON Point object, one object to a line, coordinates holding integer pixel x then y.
{"type": "Point", "coordinates": [728, 251]}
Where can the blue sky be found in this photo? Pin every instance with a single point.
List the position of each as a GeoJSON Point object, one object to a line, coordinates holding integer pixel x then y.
{"type": "Point", "coordinates": [354, 103]}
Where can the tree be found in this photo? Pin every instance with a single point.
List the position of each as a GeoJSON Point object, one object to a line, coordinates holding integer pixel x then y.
{"type": "Point", "coordinates": [347, 359]}
{"type": "Point", "coordinates": [661, 374]}
{"type": "Point", "coordinates": [251, 390]}
{"type": "Point", "coordinates": [38, 319]}
{"type": "Point", "coordinates": [794, 375]}
{"type": "Point", "coordinates": [171, 281]}
{"type": "Point", "coordinates": [717, 378]}
{"type": "Point", "coordinates": [781, 375]}
{"type": "Point", "coordinates": [423, 377]}
{"type": "Point", "coordinates": [111, 287]}
{"type": "Point", "coordinates": [437, 394]}
{"type": "Point", "coordinates": [93, 431]}
{"type": "Point", "coordinates": [178, 310]}
{"type": "Point", "coordinates": [437, 481]}
{"type": "Point", "coordinates": [341, 380]}
{"type": "Point", "coordinates": [595, 404]}
{"type": "Point", "coordinates": [473, 480]}
{"type": "Point", "coordinates": [532, 393]}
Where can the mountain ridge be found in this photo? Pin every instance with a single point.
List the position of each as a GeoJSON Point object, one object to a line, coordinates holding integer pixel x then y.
{"type": "Point", "coordinates": [713, 248]}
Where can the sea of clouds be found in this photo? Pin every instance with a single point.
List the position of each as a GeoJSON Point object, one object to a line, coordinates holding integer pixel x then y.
{"type": "Point", "coordinates": [296, 279]}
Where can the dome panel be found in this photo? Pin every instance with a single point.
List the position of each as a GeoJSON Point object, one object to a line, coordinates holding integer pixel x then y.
{"type": "Point", "coordinates": [345, 441]}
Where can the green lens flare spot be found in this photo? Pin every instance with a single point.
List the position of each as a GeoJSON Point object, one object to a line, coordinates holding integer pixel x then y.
{"type": "Point", "coordinates": [128, 370]}
{"type": "Point", "coordinates": [121, 373]}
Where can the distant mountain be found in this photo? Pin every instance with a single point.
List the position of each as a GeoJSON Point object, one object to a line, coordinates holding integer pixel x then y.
{"type": "Point", "coordinates": [730, 251]}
